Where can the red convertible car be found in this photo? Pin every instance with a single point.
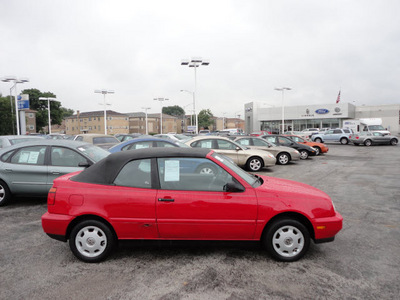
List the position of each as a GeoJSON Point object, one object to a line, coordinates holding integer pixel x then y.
{"type": "Point", "coordinates": [184, 194]}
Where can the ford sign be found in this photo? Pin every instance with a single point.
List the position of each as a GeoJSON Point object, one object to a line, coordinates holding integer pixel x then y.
{"type": "Point", "coordinates": [322, 111]}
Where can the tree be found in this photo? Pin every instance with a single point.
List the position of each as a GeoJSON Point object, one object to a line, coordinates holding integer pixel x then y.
{"type": "Point", "coordinates": [205, 118]}
{"type": "Point", "coordinates": [57, 113]}
{"type": "Point", "coordinates": [175, 111]}
{"type": "Point", "coordinates": [7, 120]}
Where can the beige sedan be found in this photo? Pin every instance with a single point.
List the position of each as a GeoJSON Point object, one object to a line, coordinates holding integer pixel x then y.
{"type": "Point", "coordinates": [283, 154]}
{"type": "Point", "coordinates": [251, 159]}
{"type": "Point", "coordinates": [101, 140]}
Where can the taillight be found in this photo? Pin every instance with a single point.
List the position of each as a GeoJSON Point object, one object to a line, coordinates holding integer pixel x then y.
{"type": "Point", "coordinates": [51, 196]}
{"type": "Point", "coordinates": [357, 137]}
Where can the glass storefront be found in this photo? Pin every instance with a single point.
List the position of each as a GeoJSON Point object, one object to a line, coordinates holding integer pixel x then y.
{"type": "Point", "coordinates": [299, 125]}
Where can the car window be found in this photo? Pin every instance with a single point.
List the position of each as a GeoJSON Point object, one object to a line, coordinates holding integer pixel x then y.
{"type": "Point", "coordinates": [347, 130]}
{"type": "Point", "coordinates": [79, 138]}
{"type": "Point", "coordinates": [136, 173]}
{"type": "Point", "coordinates": [297, 139]}
{"type": "Point", "coordinates": [104, 139]}
{"type": "Point", "coordinates": [226, 145]}
{"type": "Point", "coordinates": [192, 174]}
{"type": "Point", "coordinates": [208, 144]}
{"type": "Point", "coordinates": [7, 155]}
{"type": "Point", "coordinates": [29, 155]}
{"type": "Point", "coordinates": [65, 157]}
{"type": "Point", "coordinates": [337, 131]}
{"type": "Point", "coordinates": [21, 140]}
{"type": "Point", "coordinates": [243, 142]}
{"type": "Point", "coordinates": [260, 143]}
{"type": "Point", "coordinates": [94, 153]}
{"type": "Point", "coordinates": [138, 145]}
{"type": "Point", "coordinates": [164, 144]}
{"type": "Point", "coordinates": [284, 141]}
{"type": "Point", "coordinates": [270, 139]}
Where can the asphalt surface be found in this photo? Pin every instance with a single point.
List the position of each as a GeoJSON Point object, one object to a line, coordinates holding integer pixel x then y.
{"type": "Point", "coordinates": [362, 263]}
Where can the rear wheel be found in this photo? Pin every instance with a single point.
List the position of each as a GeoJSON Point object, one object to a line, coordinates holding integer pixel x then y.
{"type": "Point", "coordinates": [303, 154]}
{"type": "Point", "coordinates": [254, 164]}
{"type": "Point", "coordinates": [5, 194]}
{"type": "Point", "coordinates": [283, 158]}
{"type": "Point", "coordinates": [287, 240]}
{"type": "Point", "coordinates": [367, 142]}
{"type": "Point", "coordinates": [344, 141]}
{"type": "Point", "coordinates": [318, 150]}
{"type": "Point", "coordinates": [393, 142]}
{"type": "Point", "coordinates": [91, 241]}
{"type": "Point", "coordinates": [318, 140]}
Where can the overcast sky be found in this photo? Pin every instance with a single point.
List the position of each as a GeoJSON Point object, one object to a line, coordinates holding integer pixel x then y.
{"type": "Point", "coordinates": [135, 48]}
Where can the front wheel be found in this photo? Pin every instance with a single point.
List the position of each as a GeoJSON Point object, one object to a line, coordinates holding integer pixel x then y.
{"type": "Point", "coordinates": [91, 241]}
{"type": "Point", "coordinates": [393, 142]}
{"type": "Point", "coordinates": [283, 158]}
{"type": "Point", "coordinates": [317, 150]}
{"type": "Point", "coordinates": [287, 240]}
{"type": "Point", "coordinates": [367, 142]}
{"type": "Point", "coordinates": [303, 154]}
{"type": "Point", "coordinates": [344, 141]}
{"type": "Point", "coordinates": [5, 194]}
{"type": "Point", "coordinates": [254, 164]}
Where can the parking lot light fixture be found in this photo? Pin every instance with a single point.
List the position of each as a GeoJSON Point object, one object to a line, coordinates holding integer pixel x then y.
{"type": "Point", "coordinates": [195, 62]}
{"type": "Point", "coordinates": [105, 92]}
{"type": "Point", "coordinates": [48, 108]}
{"type": "Point", "coordinates": [282, 89]}
{"type": "Point", "coordinates": [15, 80]}
{"type": "Point", "coordinates": [161, 102]}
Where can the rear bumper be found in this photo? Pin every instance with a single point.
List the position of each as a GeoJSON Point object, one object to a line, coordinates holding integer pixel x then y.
{"type": "Point", "coordinates": [56, 225]}
{"type": "Point", "coordinates": [325, 229]}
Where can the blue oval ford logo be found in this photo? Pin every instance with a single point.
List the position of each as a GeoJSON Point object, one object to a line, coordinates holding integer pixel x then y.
{"type": "Point", "coordinates": [322, 111]}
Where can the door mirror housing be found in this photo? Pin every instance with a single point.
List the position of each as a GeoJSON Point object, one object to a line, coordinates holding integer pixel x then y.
{"type": "Point", "coordinates": [233, 187]}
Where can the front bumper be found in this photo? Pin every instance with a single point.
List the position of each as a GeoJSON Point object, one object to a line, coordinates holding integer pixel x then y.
{"type": "Point", "coordinates": [325, 229]}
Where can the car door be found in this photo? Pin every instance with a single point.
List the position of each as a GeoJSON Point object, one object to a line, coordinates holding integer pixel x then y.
{"type": "Point", "coordinates": [379, 138]}
{"type": "Point", "coordinates": [231, 150]}
{"type": "Point", "coordinates": [63, 161]}
{"type": "Point", "coordinates": [27, 172]}
{"type": "Point", "coordinates": [191, 205]}
{"type": "Point", "coordinates": [223, 147]}
{"type": "Point", "coordinates": [329, 136]}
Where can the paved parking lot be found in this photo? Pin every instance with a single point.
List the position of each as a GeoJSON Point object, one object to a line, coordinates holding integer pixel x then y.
{"type": "Point", "coordinates": [362, 263]}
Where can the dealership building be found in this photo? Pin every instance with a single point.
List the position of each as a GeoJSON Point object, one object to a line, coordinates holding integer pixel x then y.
{"type": "Point", "coordinates": [261, 116]}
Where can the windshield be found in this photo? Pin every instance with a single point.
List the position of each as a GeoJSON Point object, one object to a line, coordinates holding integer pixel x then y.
{"type": "Point", "coordinates": [17, 141]}
{"type": "Point", "coordinates": [376, 127]}
{"type": "Point", "coordinates": [93, 152]}
{"type": "Point", "coordinates": [250, 179]}
{"type": "Point", "coordinates": [104, 140]}
{"type": "Point", "coordinates": [182, 145]}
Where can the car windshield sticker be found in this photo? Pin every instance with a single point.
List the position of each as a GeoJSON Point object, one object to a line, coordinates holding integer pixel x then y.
{"type": "Point", "coordinates": [29, 157]}
{"type": "Point", "coordinates": [171, 170]}
{"type": "Point", "coordinates": [141, 146]}
{"type": "Point", "coordinates": [206, 145]}
{"type": "Point", "coordinates": [244, 142]}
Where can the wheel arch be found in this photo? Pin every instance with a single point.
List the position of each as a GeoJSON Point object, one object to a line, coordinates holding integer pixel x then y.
{"type": "Point", "coordinates": [290, 215]}
{"type": "Point", "coordinates": [86, 218]}
{"type": "Point", "coordinates": [258, 157]}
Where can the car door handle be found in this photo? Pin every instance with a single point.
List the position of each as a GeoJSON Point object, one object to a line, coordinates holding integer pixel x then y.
{"type": "Point", "coordinates": [166, 200]}
{"type": "Point", "coordinates": [55, 172]}
{"type": "Point", "coordinates": [8, 170]}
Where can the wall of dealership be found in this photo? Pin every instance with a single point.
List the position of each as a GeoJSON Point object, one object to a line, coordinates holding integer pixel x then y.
{"type": "Point", "coordinates": [262, 116]}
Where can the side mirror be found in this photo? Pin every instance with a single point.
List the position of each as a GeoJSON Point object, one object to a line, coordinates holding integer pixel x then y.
{"type": "Point", "coordinates": [238, 148]}
{"type": "Point", "coordinates": [233, 187]}
{"type": "Point", "coordinates": [85, 164]}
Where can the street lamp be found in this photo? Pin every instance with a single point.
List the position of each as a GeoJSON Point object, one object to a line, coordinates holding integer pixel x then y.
{"type": "Point", "coordinates": [161, 101]}
{"type": "Point", "coordinates": [192, 93]}
{"type": "Point", "coordinates": [104, 92]}
{"type": "Point", "coordinates": [195, 62]}
{"type": "Point", "coordinates": [282, 89]}
{"type": "Point", "coordinates": [48, 108]}
{"type": "Point", "coordinates": [146, 108]}
{"type": "Point", "coordinates": [15, 80]}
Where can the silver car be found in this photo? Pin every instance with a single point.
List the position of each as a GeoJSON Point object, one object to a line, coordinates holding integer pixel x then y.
{"type": "Point", "coordinates": [373, 138]}
{"type": "Point", "coordinates": [283, 154]}
{"type": "Point", "coordinates": [9, 140]}
{"type": "Point", "coordinates": [251, 159]}
{"type": "Point", "coordinates": [28, 169]}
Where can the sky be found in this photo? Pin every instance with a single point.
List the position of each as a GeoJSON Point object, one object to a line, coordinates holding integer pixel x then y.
{"type": "Point", "coordinates": [135, 48]}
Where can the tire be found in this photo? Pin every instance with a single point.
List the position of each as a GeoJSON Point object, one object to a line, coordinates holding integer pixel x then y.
{"type": "Point", "coordinates": [367, 143]}
{"type": "Point", "coordinates": [393, 142]}
{"type": "Point", "coordinates": [318, 140]}
{"type": "Point", "coordinates": [318, 149]}
{"type": "Point", "coordinates": [344, 141]}
{"type": "Point", "coordinates": [254, 164]}
{"type": "Point", "coordinates": [303, 154]}
{"type": "Point", "coordinates": [287, 240]}
{"type": "Point", "coordinates": [206, 169]}
{"type": "Point", "coordinates": [91, 241]}
{"type": "Point", "coordinates": [283, 158]}
{"type": "Point", "coordinates": [5, 194]}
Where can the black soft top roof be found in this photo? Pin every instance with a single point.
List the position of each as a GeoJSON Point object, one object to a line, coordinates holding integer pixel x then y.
{"type": "Point", "coordinates": [105, 171]}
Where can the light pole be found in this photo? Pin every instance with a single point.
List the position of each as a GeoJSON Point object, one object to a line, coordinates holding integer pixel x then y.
{"type": "Point", "coordinates": [146, 108]}
{"type": "Point", "coordinates": [48, 108]}
{"type": "Point", "coordinates": [195, 62]}
{"type": "Point", "coordinates": [15, 80]}
{"type": "Point", "coordinates": [161, 101]}
{"type": "Point", "coordinates": [282, 89]}
{"type": "Point", "coordinates": [104, 92]}
{"type": "Point", "coordinates": [191, 116]}
{"type": "Point", "coordinates": [223, 120]}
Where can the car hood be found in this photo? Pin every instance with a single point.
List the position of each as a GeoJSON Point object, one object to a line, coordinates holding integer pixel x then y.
{"type": "Point", "coordinates": [293, 193]}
